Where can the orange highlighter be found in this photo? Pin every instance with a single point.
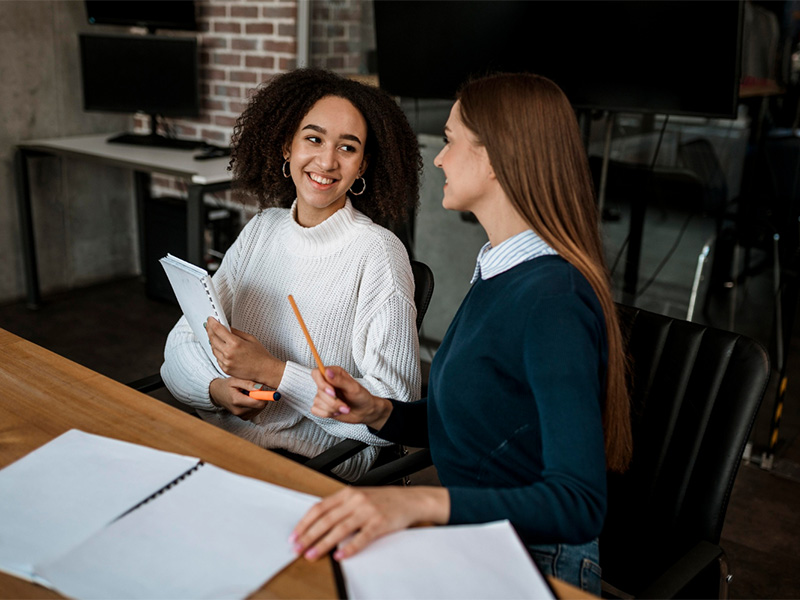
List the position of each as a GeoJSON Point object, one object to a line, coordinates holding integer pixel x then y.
{"type": "Point", "coordinates": [264, 395]}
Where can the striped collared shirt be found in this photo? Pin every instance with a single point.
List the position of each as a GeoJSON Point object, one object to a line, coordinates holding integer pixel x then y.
{"type": "Point", "coordinates": [513, 251]}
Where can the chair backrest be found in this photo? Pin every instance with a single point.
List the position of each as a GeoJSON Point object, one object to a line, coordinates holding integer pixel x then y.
{"type": "Point", "coordinates": [423, 288]}
{"type": "Point", "coordinates": [695, 394]}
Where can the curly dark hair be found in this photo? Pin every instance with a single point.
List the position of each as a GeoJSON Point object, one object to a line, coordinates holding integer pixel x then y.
{"type": "Point", "coordinates": [272, 117]}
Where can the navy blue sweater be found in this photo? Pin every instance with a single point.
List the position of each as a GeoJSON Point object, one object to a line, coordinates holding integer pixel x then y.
{"type": "Point", "coordinates": [513, 413]}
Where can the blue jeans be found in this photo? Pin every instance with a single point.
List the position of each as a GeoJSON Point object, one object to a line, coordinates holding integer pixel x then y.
{"type": "Point", "coordinates": [578, 565]}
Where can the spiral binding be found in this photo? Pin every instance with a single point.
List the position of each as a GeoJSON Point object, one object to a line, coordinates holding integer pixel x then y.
{"type": "Point", "coordinates": [170, 485]}
{"type": "Point", "coordinates": [210, 299]}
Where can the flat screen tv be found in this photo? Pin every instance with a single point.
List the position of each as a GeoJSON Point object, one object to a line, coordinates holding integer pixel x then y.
{"type": "Point", "coordinates": [157, 75]}
{"type": "Point", "coordinates": [140, 73]}
{"type": "Point", "coordinates": [153, 14]}
{"type": "Point", "coordinates": [647, 56]}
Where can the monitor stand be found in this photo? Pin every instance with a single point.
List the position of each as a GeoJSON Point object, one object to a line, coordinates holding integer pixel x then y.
{"type": "Point", "coordinates": [156, 140]}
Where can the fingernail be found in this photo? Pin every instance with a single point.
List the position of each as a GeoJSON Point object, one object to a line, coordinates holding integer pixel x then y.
{"type": "Point", "coordinates": [258, 386]}
{"type": "Point", "coordinates": [293, 538]}
{"type": "Point", "coordinates": [345, 410]}
{"type": "Point", "coordinates": [338, 555]}
{"type": "Point", "coordinates": [330, 392]}
{"type": "Point", "coordinates": [311, 554]}
{"type": "Point", "coordinates": [329, 373]}
{"type": "Point", "coordinates": [205, 325]}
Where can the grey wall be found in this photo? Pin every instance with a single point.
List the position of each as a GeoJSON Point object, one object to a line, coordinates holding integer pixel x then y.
{"type": "Point", "coordinates": [84, 214]}
{"type": "Point", "coordinates": [444, 241]}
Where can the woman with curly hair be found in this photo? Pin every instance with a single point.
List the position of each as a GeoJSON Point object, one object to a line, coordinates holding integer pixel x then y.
{"type": "Point", "coordinates": [331, 163]}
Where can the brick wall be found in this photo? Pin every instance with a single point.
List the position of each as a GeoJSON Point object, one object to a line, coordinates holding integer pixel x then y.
{"type": "Point", "coordinates": [244, 42]}
{"type": "Point", "coordinates": [336, 35]}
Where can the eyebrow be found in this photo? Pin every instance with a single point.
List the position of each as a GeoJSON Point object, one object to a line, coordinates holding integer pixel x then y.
{"type": "Point", "coordinates": [344, 136]}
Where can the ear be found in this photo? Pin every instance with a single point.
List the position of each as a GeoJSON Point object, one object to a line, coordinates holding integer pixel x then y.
{"type": "Point", "coordinates": [363, 168]}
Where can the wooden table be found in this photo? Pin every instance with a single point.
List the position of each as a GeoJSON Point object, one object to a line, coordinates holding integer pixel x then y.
{"type": "Point", "coordinates": [42, 395]}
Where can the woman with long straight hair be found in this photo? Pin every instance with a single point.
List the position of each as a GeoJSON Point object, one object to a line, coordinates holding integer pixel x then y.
{"type": "Point", "coordinates": [527, 404]}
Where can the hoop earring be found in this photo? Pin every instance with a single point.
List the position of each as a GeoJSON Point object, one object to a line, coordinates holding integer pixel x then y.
{"type": "Point", "coordinates": [363, 187]}
{"type": "Point", "coordinates": [283, 169]}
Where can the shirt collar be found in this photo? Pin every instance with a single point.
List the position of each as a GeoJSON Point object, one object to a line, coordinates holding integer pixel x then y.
{"type": "Point", "coordinates": [509, 253]}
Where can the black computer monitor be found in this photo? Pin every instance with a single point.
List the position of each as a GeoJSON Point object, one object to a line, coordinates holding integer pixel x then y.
{"type": "Point", "coordinates": [153, 14]}
{"type": "Point", "coordinates": [153, 74]}
{"type": "Point", "coordinates": [640, 56]}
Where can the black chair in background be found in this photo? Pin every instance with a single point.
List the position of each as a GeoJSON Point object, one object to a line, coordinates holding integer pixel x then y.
{"type": "Point", "coordinates": [696, 391]}
{"type": "Point", "coordinates": [334, 456]}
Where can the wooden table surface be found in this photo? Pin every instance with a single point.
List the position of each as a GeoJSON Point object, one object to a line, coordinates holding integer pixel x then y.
{"type": "Point", "coordinates": [43, 395]}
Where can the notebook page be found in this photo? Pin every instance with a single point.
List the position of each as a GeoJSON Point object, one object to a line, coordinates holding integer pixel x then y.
{"type": "Point", "coordinates": [461, 562]}
{"type": "Point", "coordinates": [65, 491]}
{"type": "Point", "coordinates": [197, 298]}
{"type": "Point", "coordinates": [214, 535]}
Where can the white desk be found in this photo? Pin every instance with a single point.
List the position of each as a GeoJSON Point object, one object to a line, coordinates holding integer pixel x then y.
{"type": "Point", "coordinates": [203, 176]}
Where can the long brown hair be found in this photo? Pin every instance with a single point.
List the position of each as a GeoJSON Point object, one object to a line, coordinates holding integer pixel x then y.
{"type": "Point", "coordinates": [531, 135]}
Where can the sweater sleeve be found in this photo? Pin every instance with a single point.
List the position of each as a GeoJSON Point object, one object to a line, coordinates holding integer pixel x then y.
{"type": "Point", "coordinates": [407, 424]}
{"type": "Point", "coordinates": [564, 346]}
{"type": "Point", "coordinates": [387, 356]}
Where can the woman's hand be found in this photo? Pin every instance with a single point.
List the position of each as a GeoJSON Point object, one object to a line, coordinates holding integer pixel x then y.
{"type": "Point", "coordinates": [341, 397]}
{"type": "Point", "coordinates": [366, 514]}
{"type": "Point", "coordinates": [228, 393]}
{"type": "Point", "coordinates": [242, 355]}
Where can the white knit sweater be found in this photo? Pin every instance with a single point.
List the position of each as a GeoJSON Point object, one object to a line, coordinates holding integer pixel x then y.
{"type": "Point", "coordinates": [353, 284]}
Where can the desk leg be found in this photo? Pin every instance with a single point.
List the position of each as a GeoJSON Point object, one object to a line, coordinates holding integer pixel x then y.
{"type": "Point", "coordinates": [633, 255]}
{"type": "Point", "coordinates": [26, 229]}
{"type": "Point", "coordinates": [142, 181]}
{"type": "Point", "coordinates": [195, 225]}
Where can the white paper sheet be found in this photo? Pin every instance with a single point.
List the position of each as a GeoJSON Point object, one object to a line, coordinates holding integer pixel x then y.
{"type": "Point", "coordinates": [461, 562]}
{"type": "Point", "coordinates": [213, 535]}
{"type": "Point", "coordinates": [64, 491]}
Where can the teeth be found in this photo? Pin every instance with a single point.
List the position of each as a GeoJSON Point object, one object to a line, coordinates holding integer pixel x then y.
{"type": "Point", "coordinates": [322, 180]}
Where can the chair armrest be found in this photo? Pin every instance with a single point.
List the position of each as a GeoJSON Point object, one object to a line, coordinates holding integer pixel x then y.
{"type": "Point", "coordinates": [397, 469]}
{"type": "Point", "coordinates": [684, 570]}
{"type": "Point", "coordinates": [147, 384]}
{"type": "Point", "coordinates": [335, 455]}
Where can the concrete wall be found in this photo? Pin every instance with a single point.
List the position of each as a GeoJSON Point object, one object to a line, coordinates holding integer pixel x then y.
{"type": "Point", "coordinates": [84, 214]}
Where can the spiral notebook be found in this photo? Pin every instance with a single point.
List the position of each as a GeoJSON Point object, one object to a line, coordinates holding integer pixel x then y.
{"type": "Point", "coordinates": [94, 517]}
{"type": "Point", "coordinates": [197, 298]}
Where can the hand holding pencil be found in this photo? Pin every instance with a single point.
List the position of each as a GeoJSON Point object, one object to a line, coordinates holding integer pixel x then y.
{"type": "Point", "coordinates": [339, 396]}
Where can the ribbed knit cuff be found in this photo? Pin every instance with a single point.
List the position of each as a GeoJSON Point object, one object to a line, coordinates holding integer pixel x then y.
{"type": "Point", "coordinates": [297, 388]}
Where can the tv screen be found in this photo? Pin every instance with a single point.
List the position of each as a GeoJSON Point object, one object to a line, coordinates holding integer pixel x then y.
{"type": "Point", "coordinates": [630, 56]}
{"type": "Point", "coordinates": [153, 14]}
{"type": "Point", "coordinates": [148, 73]}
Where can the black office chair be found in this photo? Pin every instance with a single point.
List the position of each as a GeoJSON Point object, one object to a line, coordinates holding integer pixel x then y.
{"type": "Point", "coordinates": [334, 456]}
{"type": "Point", "coordinates": [695, 393]}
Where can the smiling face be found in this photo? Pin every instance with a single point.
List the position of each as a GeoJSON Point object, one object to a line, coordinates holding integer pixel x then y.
{"type": "Point", "coordinates": [326, 156]}
{"type": "Point", "coordinates": [466, 166]}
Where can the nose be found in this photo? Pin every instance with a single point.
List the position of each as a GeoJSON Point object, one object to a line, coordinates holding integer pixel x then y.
{"type": "Point", "coordinates": [437, 160]}
{"type": "Point", "coordinates": [326, 159]}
